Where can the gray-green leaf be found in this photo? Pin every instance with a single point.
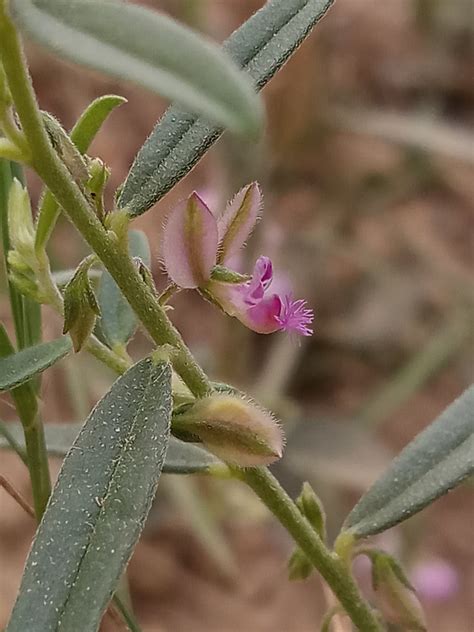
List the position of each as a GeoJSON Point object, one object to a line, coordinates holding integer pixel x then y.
{"type": "Point", "coordinates": [98, 507]}
{"type": "Point", "coordinates": [149, 48]}
{"type": "Point", "coordinates": [437, 460]}
{"type": "Point", "coordinates": [260, 46]}
{"type": "Point", "coordinates": [20, 367]}
{"type": "Point", "coordinates": [181, 457]}
{"type": "Point", "coordinates": [118, 322]}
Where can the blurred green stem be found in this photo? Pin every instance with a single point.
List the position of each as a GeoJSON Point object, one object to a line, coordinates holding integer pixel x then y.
{"type": "Point", "coordinates": [144, 302]}
{"type": "Point", "coordinates": [330, 565]}
{"type": "Point", "coordinates": [26, 405]}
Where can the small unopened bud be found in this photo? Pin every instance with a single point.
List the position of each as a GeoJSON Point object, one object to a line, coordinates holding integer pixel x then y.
{"type": "Point", "coordinates": [396, 597]}
{"type": "Point", "coordinates": [235, 429]}
{"type": "Point", "coordinates": [20, 221]}
{"type": "Point", "coordinates": [190, 243]}
{"type": "Point", "coordinates": [311, 507]}
{"type": "Point", "coordinates": [238, 220]}
{"type": "Point", "coordinates": [299, 566]}
{"type": "Point", "coordinates": [145, 272]}
{"type": "Point", "coordinates": [80, 306]}
{"type": "Point", "coordinates": [98, 175]}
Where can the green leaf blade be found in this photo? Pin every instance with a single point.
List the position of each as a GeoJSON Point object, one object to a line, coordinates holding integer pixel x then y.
{"type": "Point", "coordinates": [134, 43]}
{"type": "Point", "coordinates": [98, 507]}
{"type": "Point", "coordinates": [18, 368]}
{"type": "Point", "coordinates": [91, 120]}
{"type": "Point", "coordinates": [437, 460]}
{"type": "Point", "coordinates": [118, 322]}
{"type": "Point", "coordinates": [179, 140]}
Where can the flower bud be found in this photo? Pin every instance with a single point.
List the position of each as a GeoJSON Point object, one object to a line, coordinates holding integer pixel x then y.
{"type": "Point", "coordinates": [190, 243]}
{"type": "Point", "coordinates": [299, 566]}
{"type": "Point", "coordinates": [235, 429]}
{"type": "Point", "coordinates": [238, 220]}
{"type": "Point", "coordinates": [80, 306]}
{"type": "Point", "coordinates": [98, 175]}
{"type": "Point", "coordinates": [20, 221]}
{"type": "Point", "coordinates": [311, 507]}
{"type": "Point", "coordinates": [396, 597]}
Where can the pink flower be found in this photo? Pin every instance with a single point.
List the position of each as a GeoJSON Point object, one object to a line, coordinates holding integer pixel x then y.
{"type": "Point", "coordinates": [194, 242]}
{"type": "Point", "coordinates": [260, 310]}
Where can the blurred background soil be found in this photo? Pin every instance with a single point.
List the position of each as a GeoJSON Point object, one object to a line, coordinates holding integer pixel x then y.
{"type": "Point", "coordinates": [367, 168]}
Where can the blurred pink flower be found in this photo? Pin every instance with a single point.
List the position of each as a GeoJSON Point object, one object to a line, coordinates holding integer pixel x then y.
{"type": "Point", "coordinates": [435, 580]}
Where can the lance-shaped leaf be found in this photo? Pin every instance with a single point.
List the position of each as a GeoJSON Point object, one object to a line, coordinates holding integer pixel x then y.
{"type": "Point", "coordinates": [149, 48]}
{"type": "Point", "coordinates": [260, 46]}
{"type": "Point", "coordinates": [22, 366]}
{"type": "Point", "coordinates": [181, 457]}
{"type": "Point", "coordinates": [98, 506]}
{"type": "Point", "coordinates": [118, 322]}
{"type": "Point", "coordinates": [437, 460]}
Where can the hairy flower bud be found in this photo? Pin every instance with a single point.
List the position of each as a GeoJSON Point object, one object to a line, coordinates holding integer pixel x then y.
{"type": "Point", "coordinates": [396, 597]}
{"type": "Point", "coordinates": [236, 430]}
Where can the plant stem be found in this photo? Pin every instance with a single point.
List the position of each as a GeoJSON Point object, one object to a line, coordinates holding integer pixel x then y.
{"type": "Point", "coordinates": [26, 404]}
{"type": "Point", "coordinates": [57, 178]}
{"type": "Point", "coordinates": [331, 567]}
{"type": "Point", "coordinates": [153, 317]}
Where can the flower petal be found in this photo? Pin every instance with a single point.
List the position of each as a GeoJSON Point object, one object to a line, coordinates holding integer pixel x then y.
{"type": "Point", "coordinates": [238, 220]}
{"type": "Point", "coordinates": [190, 243]}
{"type": "Point", "coordinates": [262, 317]}
{"type": "Point", "coordinates": [261, 278]}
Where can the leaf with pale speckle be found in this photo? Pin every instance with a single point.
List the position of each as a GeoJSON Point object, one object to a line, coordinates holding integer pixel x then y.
{"type": "Point", "coordinates": [98, 507]}
{"type": "Point", "coordinates": [18, 368]}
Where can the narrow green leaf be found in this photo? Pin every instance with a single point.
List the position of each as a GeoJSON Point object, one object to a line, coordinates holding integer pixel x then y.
{"type": "Point", "coordinates": [20, 367]}
{"type": "Point", "coordinates": [260, 46]}
{"type": "Point", "coordinates": [118, 322]}
{"type": "Point", "coordinates": [437, 460]}
{"type": "Point", "coordinates": [82, 135]}
{"type": "Point", "coordinates": [98, 507]}
{"type": "Point", "coordinates": [181, 458]}
{"type": "Point", "coordinates": [91, 120]}
{"type": "Point", "coordinates": [149, 48]}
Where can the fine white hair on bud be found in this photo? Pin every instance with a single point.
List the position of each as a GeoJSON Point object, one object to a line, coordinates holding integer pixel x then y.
{"type": "Point", "coordinates": [234, 429]}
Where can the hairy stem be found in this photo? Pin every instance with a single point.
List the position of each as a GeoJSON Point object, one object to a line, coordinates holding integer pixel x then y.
{"type": "Point", "coordinates": [153, 317]}
{"type": "Point", "coordinates": [331, 567]}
